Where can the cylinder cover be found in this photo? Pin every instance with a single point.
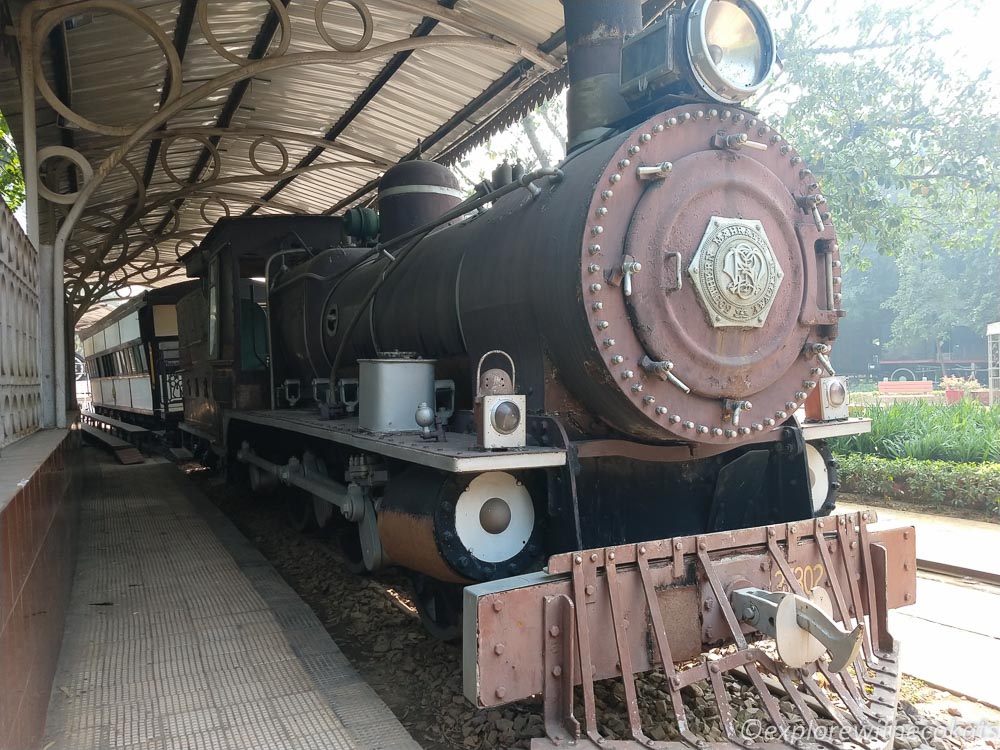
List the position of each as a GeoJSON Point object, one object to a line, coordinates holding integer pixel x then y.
{"type": "Point", "coordinates": [459, 528]}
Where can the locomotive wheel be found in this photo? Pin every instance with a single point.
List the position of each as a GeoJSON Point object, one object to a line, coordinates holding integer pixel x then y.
{"type": "Point", "coordinates": [823, 484]}
{"type": "Point", "coordinates": [300, 512]}
{"type": "Point", "coordinates": [439, 605]}
{"type": "Point", "coordinates": [261, 482]}
{"type": "Point", "coordinates": [324, 512]}
{"type": "Point", "coordinates": [349, 541]}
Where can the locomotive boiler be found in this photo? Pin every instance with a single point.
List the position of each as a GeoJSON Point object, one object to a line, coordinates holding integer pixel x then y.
{"type": "Point", "coordinates": [634, 345]}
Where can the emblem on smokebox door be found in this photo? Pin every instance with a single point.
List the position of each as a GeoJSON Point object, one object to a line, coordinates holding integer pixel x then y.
{"type": "Point", "coordinates": [735, 273]}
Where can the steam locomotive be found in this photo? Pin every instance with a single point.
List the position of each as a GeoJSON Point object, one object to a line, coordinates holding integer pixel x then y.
{"type": "Point", "coordinates": [582, 404]}
{"type": "Point", "coordinates": [633, 345]}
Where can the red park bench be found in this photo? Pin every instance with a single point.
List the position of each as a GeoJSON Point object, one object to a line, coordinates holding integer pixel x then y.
{"type": "Point", "coordinates": [905, 386]}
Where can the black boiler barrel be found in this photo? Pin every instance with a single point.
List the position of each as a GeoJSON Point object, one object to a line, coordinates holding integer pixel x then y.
{"type": "Point", "coordinates": [496, 280]}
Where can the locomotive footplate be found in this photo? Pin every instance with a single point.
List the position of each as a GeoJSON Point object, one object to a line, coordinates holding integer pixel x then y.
{"type": "Point", "coordinates": [459, 455]}
{"type": "Point", "coordinates": [779, 607]}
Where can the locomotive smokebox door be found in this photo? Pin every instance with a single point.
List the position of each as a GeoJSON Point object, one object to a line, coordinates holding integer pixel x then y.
{"type": "Point", "coordinates": [499, 413]}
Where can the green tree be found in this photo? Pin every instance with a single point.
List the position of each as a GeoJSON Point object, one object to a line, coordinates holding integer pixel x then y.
{"type": "Point", "coordinates": [11, 178]}
{"type": "Point", "coordinates": [944, 290]}
{"type": "Point", "coordinates": [538, 140]}
{"type": "Point", "coordinates": [906, 148]}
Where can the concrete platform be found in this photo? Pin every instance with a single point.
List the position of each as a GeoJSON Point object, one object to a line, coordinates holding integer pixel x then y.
{"type": "Point", "coordinates": [951, 637]}
{"type": "Point", "coordinates": [181, 635]}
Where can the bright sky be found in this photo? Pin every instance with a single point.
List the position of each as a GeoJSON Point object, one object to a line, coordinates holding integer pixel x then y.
{"type": "Point", "coordinates": [972, 44]}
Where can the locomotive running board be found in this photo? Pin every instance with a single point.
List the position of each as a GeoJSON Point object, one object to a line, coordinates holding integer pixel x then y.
{"type": "Point", "coordinates": [524, 636]}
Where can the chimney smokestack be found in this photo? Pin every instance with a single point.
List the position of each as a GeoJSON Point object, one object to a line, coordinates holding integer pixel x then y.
{"type": "Point", "coordinates": [595, 30]}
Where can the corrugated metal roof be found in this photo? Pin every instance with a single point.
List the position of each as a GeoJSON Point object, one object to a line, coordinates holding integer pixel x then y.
{"type": "Point", "coordinates": [176, 182]}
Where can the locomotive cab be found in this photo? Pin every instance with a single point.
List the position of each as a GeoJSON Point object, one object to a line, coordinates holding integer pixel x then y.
{"type": "Point", "coordinates": [225, 342]}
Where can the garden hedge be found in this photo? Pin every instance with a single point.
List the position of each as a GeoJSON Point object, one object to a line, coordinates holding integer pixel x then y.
{"type": "Point", "coordinates": [967, 485]}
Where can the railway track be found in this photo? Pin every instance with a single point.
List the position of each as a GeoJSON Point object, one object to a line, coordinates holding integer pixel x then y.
{"type": "Point", "coordinates": [960, 606]}
{"type": "Point", "coordinates": [958, 571]}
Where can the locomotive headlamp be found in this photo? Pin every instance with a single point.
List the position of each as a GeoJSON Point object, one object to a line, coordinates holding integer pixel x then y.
{"type": "Point", "coordinates": [720, 48]}
{"type": "Point", "coordinates": [499, 421]}
{"type": "Point", "coordinates": [497, 410]}
{"type": "Point", "coordinates": [730, 47]}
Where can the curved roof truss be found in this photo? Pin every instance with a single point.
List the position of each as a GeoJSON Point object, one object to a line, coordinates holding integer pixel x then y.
{"type": "Point", "coordinates": [179, 112]}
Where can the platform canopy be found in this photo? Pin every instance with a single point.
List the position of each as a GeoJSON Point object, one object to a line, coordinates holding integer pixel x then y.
{"type": "Point", "coordinates": [177, 113]}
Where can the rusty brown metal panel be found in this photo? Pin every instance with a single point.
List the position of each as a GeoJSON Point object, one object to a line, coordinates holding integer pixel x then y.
{"type": "Point", "coordinates": [662, 226]}
{"type": "Point", "coordinates": [409, 541]}
{"type": "Point", "coordinates": [683, 608]}
{"type": "Point", "coordinates": [696, 620]}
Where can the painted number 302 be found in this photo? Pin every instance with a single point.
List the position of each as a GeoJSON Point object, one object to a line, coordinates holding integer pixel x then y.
{"type": "Point", "coordinates": [807, 576]}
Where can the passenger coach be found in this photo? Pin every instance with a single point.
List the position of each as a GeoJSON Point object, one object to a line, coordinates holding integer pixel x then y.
{"type": "Point", "coordinates": [133, 361]}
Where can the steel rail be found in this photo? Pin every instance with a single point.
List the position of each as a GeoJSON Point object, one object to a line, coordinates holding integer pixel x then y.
{"type": "Point", "coordinates": [958, 571]}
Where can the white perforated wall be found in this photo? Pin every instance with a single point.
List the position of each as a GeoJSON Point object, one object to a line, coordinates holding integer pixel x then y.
{"type": "Point", "coordinates": [20, 389]}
